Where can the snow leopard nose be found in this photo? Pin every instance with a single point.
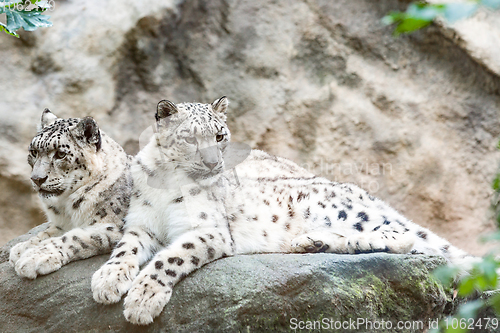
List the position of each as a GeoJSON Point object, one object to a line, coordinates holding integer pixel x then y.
{"type": "Point", "coordinates": [209, 156]}
{"type": "Point", "coordinates": [209, 165]}
{"type": "Point", "coordinates": [39, 180]}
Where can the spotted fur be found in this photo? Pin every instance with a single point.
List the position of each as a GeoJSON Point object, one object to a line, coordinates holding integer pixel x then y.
{"type": "Point", "coordinates": [83, 181]}
{"type": "Point", "coordinates": [187, 210]}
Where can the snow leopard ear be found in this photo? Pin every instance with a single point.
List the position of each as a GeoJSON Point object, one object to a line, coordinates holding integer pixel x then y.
{"type": "Point", "coordinates": [165, 109]}
{"type": "Point", "coordinates": [46, 119]}
{"type": "Point", "coordinates": [87, 132]}
{"type": "Point", "coordinates": [220, 105]}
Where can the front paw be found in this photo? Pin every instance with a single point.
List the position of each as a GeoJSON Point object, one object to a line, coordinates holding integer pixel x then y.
{"type": "Point", "coordinates": [145, 300]}
{"type": "Point", "coordinates": [17, 251]}
{"type": "Point", "coordinates": [36, 262]}
{"type": "Point", "coordinates": [305, 243]}
{"type": "Point", "coordinates": [317, 242]}
{"type": "Point", "coordinates": [112, 281]}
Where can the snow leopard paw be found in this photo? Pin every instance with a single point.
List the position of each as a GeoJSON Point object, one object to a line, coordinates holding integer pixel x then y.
{"type": "Point", "coordinates": [38, 261]}
{"type": "Point", "coordinates": [17, 251]}
{"type": "Point", "coordinates": [319, 242]}
{"type": "Point", "coordinates": [146, 299]}
{"type": "Point", "coordinates": [112, 281]}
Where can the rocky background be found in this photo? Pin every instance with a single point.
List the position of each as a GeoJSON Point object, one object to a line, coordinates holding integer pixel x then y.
{"type": "Point", "coordinates": [414, 120]}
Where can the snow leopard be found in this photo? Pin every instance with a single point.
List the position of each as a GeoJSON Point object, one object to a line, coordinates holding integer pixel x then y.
{"type": "Point", "coordinates": [187, 210]}
{"type": "Point", "coordinates": [84, 183]}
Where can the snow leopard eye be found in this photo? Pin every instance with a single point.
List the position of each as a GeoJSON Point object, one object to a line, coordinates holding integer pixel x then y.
{"type": "Point", "coordinates": [190, 140]}
{"type": "Point", "coordinates": [33, 153]}
{"type": "Point", "coordinates": [60, 155]}
{"type": "Point", "coordinates": [219, 137]}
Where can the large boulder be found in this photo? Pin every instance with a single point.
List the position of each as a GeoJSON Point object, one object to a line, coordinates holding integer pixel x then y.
{"type": "Point", "coordinates": [414, 119]}
{"type": "Point", "coordinates": [250, 293]}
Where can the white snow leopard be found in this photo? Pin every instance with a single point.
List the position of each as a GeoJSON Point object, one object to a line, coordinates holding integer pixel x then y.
{"type": "Point", "coordinates": [83, 180]}
{"type": "Point", "coordinates": [187, 210]}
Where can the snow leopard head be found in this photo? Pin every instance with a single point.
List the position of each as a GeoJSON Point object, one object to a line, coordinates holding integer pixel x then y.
{"type": "Point", "coordinates": [193, 136]}
{"type": "Point", "coordinates": [62, 154]}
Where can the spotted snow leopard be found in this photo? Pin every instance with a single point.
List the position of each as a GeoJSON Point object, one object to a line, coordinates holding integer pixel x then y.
{"type": "Point", "coordinates": [83, 180]}
{"type": "Point", "coordinates": [187, 210]}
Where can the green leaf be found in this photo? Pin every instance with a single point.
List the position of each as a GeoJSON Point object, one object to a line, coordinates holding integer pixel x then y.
{"type": "Point", "coordinates": [394, 17]}
{"type": "Point", "coordinates": [496, 183]}
{"type": "Point", "coordinates": [410, 24]}
{"type": "Point", "coordinates": [44, 5]}
{"type": "Point", "coordinates": [483, 277]}
{"type": "Point", "coordinates": [446, 274]}
{"type": "Point", "coordinates": [425, 12]}
{"type": "Point", "coordinates": [416, 17]}
{"type": "Point", "coordinates": [493, 4]}
{"type": "Point", "coordinates": [467, 286]}
{"type": "Point", "coordinates": [491, 237]}
{"type": "Point", "coordinates": [457, 11]}
{"type": "Point", "coordinates": [419, 15]}
{"type": "Point", "coordinates": [10, 4]}
{"type": "Point", "coordinates": [450, 329]}
{"type": "Point", "coordinates": [3, 27]}
{"type": "Point", "coordinates": [488, 269]}
{"type": "Point", "coordinates": [29, 21]}
{"type": "Point", "coordinates": [470, 309]}
{"type": "Point", "coordinates": [481, 282]}
{"type": "Point", "coordinates": [494, 302]}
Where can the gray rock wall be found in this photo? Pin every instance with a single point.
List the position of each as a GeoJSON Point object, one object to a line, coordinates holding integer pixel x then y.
{"type": "Point", "coordinates": [414, 120]}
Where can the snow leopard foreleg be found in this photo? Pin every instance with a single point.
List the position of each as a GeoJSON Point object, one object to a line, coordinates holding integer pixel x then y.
{"type": "Point", "coordinates": [115, 277]}
{"type": "Point", "coordinates": [152, 288]}
{"type": "Point", "coordinates": [369, 242]}
{"type": "Point", "coordinates": [18, 249]}
{"type": "Point", "coordinates": [79, 243]}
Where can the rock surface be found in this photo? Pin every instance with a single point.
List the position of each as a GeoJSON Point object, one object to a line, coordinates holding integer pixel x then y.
{"type": "Point", "coordinates": [414, 120]}
{"type": "Point", "coordinates": [252, 293]}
